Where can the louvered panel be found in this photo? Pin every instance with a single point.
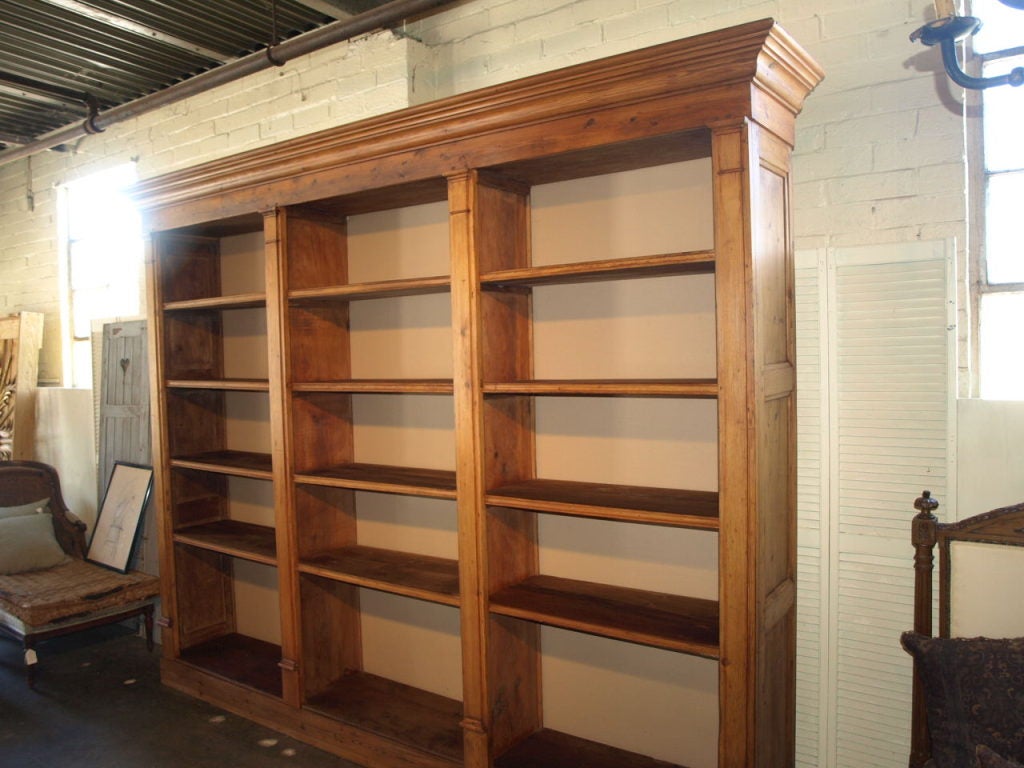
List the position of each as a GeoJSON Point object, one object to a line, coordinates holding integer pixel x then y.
{"type": "Point", "coordinates": [811, 464]}
{"type": "Point", "coordinates": [891, 421]}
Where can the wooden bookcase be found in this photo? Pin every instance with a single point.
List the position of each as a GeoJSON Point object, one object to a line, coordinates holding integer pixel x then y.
{"type": "Point", "coordinates": [474, 434]}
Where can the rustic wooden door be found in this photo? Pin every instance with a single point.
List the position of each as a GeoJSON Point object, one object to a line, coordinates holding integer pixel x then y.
{"type": "Point", "coordinates": [124, 415]}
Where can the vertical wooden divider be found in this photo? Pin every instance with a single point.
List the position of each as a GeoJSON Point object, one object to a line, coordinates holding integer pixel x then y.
{"type": "Point", "coordinates": [756, 416]}
{"type": "Point", "coordinates": [737, 539]}
{"type": "Point", "coordinates": [275, 233]}
{"type": "Point", "coordinates": [490, 230]}
{"type": "Point", "coordinates": [169, 639]}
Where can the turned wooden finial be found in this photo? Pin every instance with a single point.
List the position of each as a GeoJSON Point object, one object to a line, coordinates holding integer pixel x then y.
{"type": "Point", "coordinates": [926, 504]}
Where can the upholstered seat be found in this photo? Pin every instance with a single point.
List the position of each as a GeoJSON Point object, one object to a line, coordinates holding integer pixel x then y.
{"type": "Point", "coordinates": [71, 595]}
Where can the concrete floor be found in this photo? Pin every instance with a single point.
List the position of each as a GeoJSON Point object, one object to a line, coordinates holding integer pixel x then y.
{"type": "Point", "coordinates": [98, 703]}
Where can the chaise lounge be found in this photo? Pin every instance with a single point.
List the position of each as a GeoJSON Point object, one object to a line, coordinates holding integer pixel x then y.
{"type": "Point", "coordinates": [47, 587]}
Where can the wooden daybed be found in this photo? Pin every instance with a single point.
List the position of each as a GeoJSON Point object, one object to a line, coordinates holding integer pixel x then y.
{"type": "Point", "coordinates": [74, 594]}
{"type": "Point", "coordinates": [968, 698]}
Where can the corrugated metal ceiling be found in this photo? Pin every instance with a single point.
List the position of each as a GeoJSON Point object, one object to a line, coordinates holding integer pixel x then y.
{"type": "Point", "coordinates": [57, 56]}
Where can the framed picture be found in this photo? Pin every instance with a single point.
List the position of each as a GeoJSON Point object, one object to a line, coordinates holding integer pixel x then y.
{"type": "Point", "coordinates": [117, 525]}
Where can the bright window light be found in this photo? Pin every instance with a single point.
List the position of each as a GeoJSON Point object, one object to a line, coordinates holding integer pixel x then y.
{"type": "Point", "coordinates": [999, 47]}
{"type": "Point", "coordinates": [102, 233]}
{"type": "Point", "coordinates": [1002, 319]}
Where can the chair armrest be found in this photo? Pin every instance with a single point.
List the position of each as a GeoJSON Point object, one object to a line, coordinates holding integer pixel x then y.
{"type": "Point", "coordinates": [70, 533]}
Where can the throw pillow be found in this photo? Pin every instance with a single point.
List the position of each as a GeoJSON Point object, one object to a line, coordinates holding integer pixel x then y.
{"type": "Point", "coordinates": [19, 510]}
{"type": "Point", "coordinates": [974, 694]}
{"type": "Point", "coordinates": [27, 543]}
{"type": "Point", "coordinates": [989, 759]}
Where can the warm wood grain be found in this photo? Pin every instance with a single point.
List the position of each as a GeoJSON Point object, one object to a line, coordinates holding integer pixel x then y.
{"type": "Point", "coordinates": [379, 386]}
{"type": "Point", "coordinates": [384, 289]}
{"type": "Point", "coordinates": [437, 483]}
{"type": "Point", "coordinates": [234, 538]}
{"type": "Point", "coordinates": [703, 388]}
{"type": "Point", "coordinates": [236, 301]}
{"type": "Point", "coordinates": [551, 749]}
{"type": "Point", "coordinates": [665, 506]}
{"type": "Point", "coordinates": [228, 385]}
{"type": "Point", "coordinates": [679, 86]}
{"type": "Point", "coordinates": [673, 622]}
{"type": "Point", "coordinates": [238, 463]}
{"type": "Point", "coordinates": [328, 609]}
{"type": "Point", "coordinates": [402, 573]}
{"type": "Point", "coordinates": [245, 660]}
{"type": "Point", "coordinates": [395, 711]}
{"type": "Point", "coordinates": [691, 263]}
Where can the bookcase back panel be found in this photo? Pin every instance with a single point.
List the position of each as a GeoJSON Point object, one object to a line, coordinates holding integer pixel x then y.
{"type": "Point", "coordinates": [257, 603]}
{"type": "Point", "coordinates": [242, 263]}
{"type": "Point", "coordinates": [631, 697]}
{"type": "Point", "coordinates": [408, 523]}
{"type": "Point", "coordinates": [412, 642]}
{"type": "Point", "coordinates": [657, 442]}
{"type": "Point", "coordinates": [251, 501]}
{"type": "Point", "coordinates": [399, 243]}
{"type": "Point", "coordinates": [405, 337]}
{"type": "Point", "coordinates": [654, 328]}
{"type": "Point", "coordinates": [407, 430]}
{"type": "Point", "coordinates": [661, 209]}
{"type": "Point", "coordinates": [655, 558]}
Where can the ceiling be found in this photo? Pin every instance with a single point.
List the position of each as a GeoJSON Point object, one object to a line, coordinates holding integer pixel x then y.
{"type": "Point", "coordinates": [59, 59]}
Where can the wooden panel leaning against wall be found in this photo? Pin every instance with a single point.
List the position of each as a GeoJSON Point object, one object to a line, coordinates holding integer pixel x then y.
{"type": "Point", "coordinates": [474, 421]}
{"type": "Point", "coordinates": [21, 336]}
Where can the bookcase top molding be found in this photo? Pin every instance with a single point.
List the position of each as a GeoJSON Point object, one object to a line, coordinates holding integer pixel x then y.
{"type": "Point", "coordinates": [658, 101]}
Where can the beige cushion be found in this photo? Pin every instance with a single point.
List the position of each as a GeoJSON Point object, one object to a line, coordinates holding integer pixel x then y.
{"type": "Point", "coordinates": [30, 508]}
{"type": "Point", "coordinates": [27, 543]}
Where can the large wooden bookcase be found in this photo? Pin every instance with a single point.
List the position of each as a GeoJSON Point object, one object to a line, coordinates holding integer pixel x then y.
{"type": "Point", "coordinates": [474, 422]}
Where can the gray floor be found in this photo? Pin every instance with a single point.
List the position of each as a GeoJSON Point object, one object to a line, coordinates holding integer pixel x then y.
{"type": "Point", "coordinates": [98, 703]}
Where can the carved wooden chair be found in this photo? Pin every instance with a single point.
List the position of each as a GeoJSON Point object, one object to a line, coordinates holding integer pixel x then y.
{"type": "Point", "coordinates": [50, 599]}
{"type": "Point", "coordinates": [968, 703]}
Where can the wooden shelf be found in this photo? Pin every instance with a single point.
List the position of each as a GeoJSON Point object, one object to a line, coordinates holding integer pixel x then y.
{"type": "Point", "coordinates": [379, 386]}
{"type": "Point", "coordinates": [384, 289]}
{"type": "Point", "coordinates": [241, 659]}
{"type": "Point", "coordinates": [551, 749]}
{"type": "Point", "coordinates": [689, 263]}
{"type": "Point", "coordinates": [229, 385]}
{"type": "Point", "coordinates": [428, 578]}
{"type": "Point", "coordinates": [435, 483]}
{"type": "Point", "coordinates": [634, 503]}
{"type": "Point", "coordinates": [231, 537]}
{"type": "Point", "coordinates": [704, 388]}
{"type": "Point", "coordinates": [237, 301]}
{"type": "Point", "coordinates": [237, 463]}
{"type": "Point", "coordinates": [673, 622]}
{"type": "Point", "coordinates": [423, 720]}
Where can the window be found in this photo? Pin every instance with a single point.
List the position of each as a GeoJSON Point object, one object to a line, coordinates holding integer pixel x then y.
{"type": "Point", "coordinates": [998, 48]}
{"type": "Point", "coordinates": [102, 239]}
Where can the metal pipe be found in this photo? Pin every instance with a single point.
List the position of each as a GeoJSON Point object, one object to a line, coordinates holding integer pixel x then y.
{"type": "Point", "coordinates": [335, 32]}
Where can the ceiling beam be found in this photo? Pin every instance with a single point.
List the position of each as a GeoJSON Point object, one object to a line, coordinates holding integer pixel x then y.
{"type": "Point", "coordinates": [326, 7]}
{"type": "Point", "coordinates": [113, 20]}
{"type": "Point", "coordinates": [340, 9]}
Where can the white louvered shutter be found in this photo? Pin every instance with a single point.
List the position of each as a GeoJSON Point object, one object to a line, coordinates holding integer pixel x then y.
{"type": "Point", "coordinates": [812, 717]}
{"type": "Point", "coordinates": [875, 429]}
